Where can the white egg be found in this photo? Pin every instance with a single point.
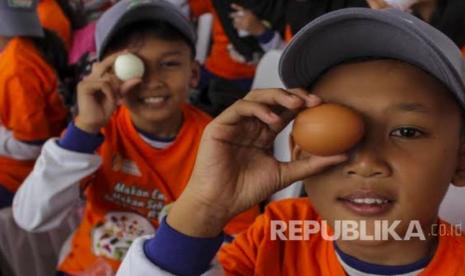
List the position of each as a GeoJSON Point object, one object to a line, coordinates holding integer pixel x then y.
{"type": "Point", "coordinates": [128, 66]}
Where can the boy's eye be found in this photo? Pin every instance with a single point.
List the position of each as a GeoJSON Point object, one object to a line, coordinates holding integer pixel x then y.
{"type": "Point", "coordinates": [407, 132]}
{"type": "Point", "coordinates": [170, 63]}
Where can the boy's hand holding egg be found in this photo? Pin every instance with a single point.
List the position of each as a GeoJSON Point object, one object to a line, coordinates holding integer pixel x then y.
{"type": "Point", "coordinates": [102, 90]}
{"type": "Point", "coordinates": [235, 166]}
{"type": "Point", "coordinates": [327, 129]}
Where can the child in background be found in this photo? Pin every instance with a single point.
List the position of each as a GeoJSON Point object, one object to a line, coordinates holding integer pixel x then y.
{"type": "Point", "coordinates": [245, 21]}
{"type": "Point", "coordinates": [448, 16]}
{"type": "Point", "coordinates": [53, 18]}
{"type": "Point", "coordinates": [407, 80]}
{"type": "Point", "coordinates": [32, 62]}
{"type": "Point", "coordinates": [131, 148]}
{"type": "Point", "coordinates": [229, 69]}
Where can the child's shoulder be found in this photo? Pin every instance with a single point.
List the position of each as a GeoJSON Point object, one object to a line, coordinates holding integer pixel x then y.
{"type": "Point", "coordinates": [19, 48]}
{"type": "Point", "coordinates": [450, 253]}
{"type": "Point", "coordinates": [21, 57]}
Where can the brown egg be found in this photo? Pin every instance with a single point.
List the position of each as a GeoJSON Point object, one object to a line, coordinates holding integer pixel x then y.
{"type": "Point", "coordinates": [327, 129]}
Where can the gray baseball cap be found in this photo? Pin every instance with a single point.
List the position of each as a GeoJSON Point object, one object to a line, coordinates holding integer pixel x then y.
{"type": "Point", "coordinates": [126, 12]}
{"type": "Point", "coordinates": [19, 18]}
{"type": "Point", "coordinates": [362, 33]}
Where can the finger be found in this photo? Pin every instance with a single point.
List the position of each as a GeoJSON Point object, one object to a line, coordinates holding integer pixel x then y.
{"type": "Point", "coordinates": [285, 104]}
{"type": "Point", "coordinates": [236, 7]}
{"type": "Point", "coordinates": [88, 86]}
{"type": "Point", "coordinates": [311, 100]}
{"type": "Point", "coordinates": [243, 109]}
{"type": "Point", "coordinates": [290, 172]}
{"type": "Point", "coordinates": [237, 25]}
{"type": "Point", "coordinates": [276, 96]}
{"type": "Point", "coordinates": [114, 81]}
{"type": "Point", "coordinates": [100, 68]}
{"type": "Point", "coordinates": [128, 85]}
{"type": "Point", "coordinates": [236, 15]}
{"type": "Point", "coordinates": [96, 87]}
{"type": "Point", "coordinates": [111, 98]}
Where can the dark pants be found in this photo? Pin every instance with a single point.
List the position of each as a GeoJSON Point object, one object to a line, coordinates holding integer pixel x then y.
{"type": "Point", "coordinates": [214, 94]}
{"type": "Point", "coordinates": [6, 197]}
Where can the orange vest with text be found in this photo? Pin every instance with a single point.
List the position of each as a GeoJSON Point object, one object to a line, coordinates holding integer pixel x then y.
{"type": "Point", "coordinates": [254, 253]}
{"type": "Point", "coordinates": [134, 178]}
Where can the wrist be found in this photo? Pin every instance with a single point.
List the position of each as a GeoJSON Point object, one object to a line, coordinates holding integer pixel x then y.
{"type": "Point", "coordinates": [78, 140]}
{"type": "Point", "coordinates": [259, 30]}
{"type": "Point", "coordinates": [205, 222]}
{"type": "Point", "coordinates": [89, 128]}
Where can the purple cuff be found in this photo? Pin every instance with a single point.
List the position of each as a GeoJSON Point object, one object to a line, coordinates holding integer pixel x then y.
{"type": "Point", "coordinates": [180, 254]}
{"type": "Point", "coordinates": [76, 139]}
{"type": "Point", "coordinates": [266, 37]}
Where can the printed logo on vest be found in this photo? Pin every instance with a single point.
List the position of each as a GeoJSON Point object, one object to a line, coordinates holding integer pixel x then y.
{"type": "Point", "coordinates": [113, 236]}
{"type": "Point", "coordinates": [125, 166]}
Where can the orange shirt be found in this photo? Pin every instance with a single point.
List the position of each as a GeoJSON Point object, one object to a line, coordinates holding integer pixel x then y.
{"type": "Point", "coordinates": [53, 18]}
{"type": "Point", "coordinates": [219, 61]}
{"type": "Point", "coordinates": [133, 184]}
{"type": "Point", "coordinates": [463, 51]}
{"type": "Point", "coordinates": [288, 34]}
{"type": "Point", "coordinates": [254, 253]}
{"type": "Point", "coordinates": [30, 105]}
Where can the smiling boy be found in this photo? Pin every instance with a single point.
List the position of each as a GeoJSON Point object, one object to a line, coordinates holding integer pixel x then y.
{"type": "Point", "coordinates": [406, 79]}
{"type": "Point", "coordinates": [131, 148]}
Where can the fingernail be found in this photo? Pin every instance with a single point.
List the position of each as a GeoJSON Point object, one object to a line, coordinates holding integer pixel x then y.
{"type": "Point", "coordinates": [273, 116]}
{"type": "Point", "coordinates": [312, 100]}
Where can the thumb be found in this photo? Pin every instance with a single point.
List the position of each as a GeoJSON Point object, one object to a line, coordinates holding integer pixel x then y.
{"type": "Point", "coordinates": [128, 85]}
{"type": "Point", "coordinates": [293, 171]}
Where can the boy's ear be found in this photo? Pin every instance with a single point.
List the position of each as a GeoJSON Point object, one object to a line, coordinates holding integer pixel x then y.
{"type": "Point", "coordinates": [295, 149]}
{"type": "Point", "coordinates": [459, 177]}
{"type": "Point", "coordinates": [195, 74]}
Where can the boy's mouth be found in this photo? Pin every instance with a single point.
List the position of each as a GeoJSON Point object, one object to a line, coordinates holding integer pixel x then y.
{"type": "Point", "coordinates": [155, 101]}
{"type": "Point", "coordinates": [367, 203]}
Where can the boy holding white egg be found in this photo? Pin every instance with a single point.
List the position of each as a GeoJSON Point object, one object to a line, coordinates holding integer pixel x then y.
{"type": "Point", "coordinates": [131, 148]}
{"type": "Point", "coordinates": [406, 82]}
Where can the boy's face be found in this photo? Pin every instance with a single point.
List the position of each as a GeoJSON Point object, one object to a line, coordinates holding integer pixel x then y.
{"type": "Point", "coordinates": [170, 72]}
{"type": "Point", "coordinates": [409, 153]}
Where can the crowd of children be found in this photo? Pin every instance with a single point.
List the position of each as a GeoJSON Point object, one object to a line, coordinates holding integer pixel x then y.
{"type": "Point", "coordinates": [184, 151]}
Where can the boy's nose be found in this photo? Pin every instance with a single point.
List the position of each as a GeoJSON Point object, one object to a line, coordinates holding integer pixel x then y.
{"type": "Point", "coordinates": [367, 161]}
{"type": "Point", "coordinates": [153, 82]}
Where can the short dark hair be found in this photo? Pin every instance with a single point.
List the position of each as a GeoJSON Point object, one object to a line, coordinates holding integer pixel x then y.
{"type": "Point", "coordinates": [156, 28]}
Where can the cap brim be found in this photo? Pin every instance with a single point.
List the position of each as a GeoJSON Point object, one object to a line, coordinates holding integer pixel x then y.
{"type": "Point", "coordinates": [360, 33]}
{"type": "Point", "coordinates": [149, 12]}
{"type": "Point", "coordinates": [20, 23]}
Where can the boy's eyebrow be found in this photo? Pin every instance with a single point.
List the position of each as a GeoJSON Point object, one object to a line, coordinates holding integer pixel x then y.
{"type": "Point", "coordinates": [409, 107]}
{"type": "Point", "coordinates": [172, 53]}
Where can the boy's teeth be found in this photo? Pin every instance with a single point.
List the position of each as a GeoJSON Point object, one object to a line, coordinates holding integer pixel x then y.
{"type": "Point", "coordinates": [369, 201]}
{"type": "Point", "coordinates": [154, 100]}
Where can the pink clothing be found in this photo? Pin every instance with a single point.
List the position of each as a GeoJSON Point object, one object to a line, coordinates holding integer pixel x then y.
{"type": "Point", "coordinates": [83, 42]}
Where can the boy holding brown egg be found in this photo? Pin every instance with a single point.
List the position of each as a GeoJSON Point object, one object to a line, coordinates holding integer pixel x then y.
{"type": "Point", "coordinates": [131, 148]}
{"type": "Point", "coordinates": [372, 206]}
